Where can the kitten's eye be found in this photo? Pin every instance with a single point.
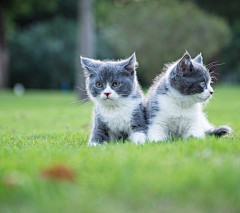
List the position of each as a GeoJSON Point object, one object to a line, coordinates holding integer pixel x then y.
{"type": "Point", "coordinates": [98, 84]}
{"type": "Point", "coordinates": [115, 84]}
{"type": "Point", "coordinates": [202, 84]}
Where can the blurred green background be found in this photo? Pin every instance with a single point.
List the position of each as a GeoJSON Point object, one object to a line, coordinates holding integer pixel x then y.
{"type": "Point", "coordinates": [40, 41]}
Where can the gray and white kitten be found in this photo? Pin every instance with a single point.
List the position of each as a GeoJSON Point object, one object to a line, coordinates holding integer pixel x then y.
{"type": "Point", "coordinates": [114, 88]}
{"type": "Point", "coordinates": [174, 102]}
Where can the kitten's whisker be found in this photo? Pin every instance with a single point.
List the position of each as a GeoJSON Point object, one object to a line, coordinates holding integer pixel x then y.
{"type": "Point", "coordinates": [211, 63]}
{"type": "Point", "coordinates": [213, 77]}
{"type": "Point", "coordinates": [79, 101]}
{"type": "Point", "coordinates": [214, 98]}
{"type": "Point", "coordinates": [216, 89]}
{"type": "Point", "coordinates": [82, 74]}
{"type": "Point", "coordinates": [88, 109]}
{"type": "Point", "coordinates": [74, 102]}
{"type": "Point", "coordinates": [87, 104]}
{"type": "Point", "coordinates": [79, 88]}
{"type": "Point", "coordinates": [83, 89]}
{"type": "Point", "coordinates": [214, 65]}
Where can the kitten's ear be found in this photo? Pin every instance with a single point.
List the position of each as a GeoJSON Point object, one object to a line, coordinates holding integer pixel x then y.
{"type": "Point", "coordinates": [198, 59]}
{"type": "Point", "coordinates": [184, 65]}
{"type": "Point", "coordinates": [130, 63]}
{"type": "Point", "coordinates": [89, 65]}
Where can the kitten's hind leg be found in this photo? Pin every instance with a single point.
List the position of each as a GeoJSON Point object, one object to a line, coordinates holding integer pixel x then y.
{"type": "Point", "coordinates": [219, 131]}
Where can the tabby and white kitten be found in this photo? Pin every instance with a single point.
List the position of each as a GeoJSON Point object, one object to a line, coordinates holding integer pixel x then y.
{"type": "Point", "coordinates": [114, 88]}
{"type": "Point", "coordinates": [174, 102]}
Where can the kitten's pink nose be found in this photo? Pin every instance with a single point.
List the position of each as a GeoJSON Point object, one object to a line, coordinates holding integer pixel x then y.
{"type": "Point", "coordinates": [107, 93]}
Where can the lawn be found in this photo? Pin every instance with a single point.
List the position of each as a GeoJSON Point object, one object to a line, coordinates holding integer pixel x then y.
{"type": "Point", "coordinates": [43, 132]}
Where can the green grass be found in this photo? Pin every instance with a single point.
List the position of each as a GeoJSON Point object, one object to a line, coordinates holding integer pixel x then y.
{"type": "Point", "coordinates": [42, 129]}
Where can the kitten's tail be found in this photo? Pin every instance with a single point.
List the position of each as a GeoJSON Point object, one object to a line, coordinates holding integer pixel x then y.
{"type": "Point", "coordinates": [219, 131]}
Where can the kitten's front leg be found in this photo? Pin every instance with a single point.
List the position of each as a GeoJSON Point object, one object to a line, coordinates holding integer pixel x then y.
{"type": "Point", "coordinates": [156, 133]}
{"type": "Point", "coordinates": [195, 130]}
{"type": "Point", "coordinates": [137, 137]}
{"type": "Point", "coordinates": [139, 126]}
{"type": "Point", "coordinates": [98, 137]}
{"type": "Point", "coordinates": [99, 132]}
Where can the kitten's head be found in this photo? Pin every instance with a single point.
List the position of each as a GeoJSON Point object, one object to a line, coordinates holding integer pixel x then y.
{"type": "Point", "coordinates": [109, 81]}
{"type": "Point", "coordinates": [190, 77]}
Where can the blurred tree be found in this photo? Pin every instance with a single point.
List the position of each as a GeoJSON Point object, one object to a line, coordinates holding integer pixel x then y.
{"type": "Point", "coordinates": [36, 46]}
{"type": "Point", "coordinates": [3, 49]}
{"type": "Point", "coordinates": [85, 42]}
{"type": "Point", "coordinates": [43, 45]}
{"type": "Point", "coordinates": [43, 54]}
{"type": "Point", "coordinates": [229, 12]}
{"type": "Point", "coordinates": [9, 10]}
{"type": "Point", "coordinates": [230, 54]}
{"type": "Point", "coordinates": [161, 31]}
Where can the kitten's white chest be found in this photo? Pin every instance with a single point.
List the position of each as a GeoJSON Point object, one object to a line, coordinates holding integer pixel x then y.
{"type": "Point", "coordinates": [176, 118]}
{"type": "Point", "coordinates": [118, 119]}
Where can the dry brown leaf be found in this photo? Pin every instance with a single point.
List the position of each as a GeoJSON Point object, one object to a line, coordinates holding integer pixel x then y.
{"type": "Point", "coordinates": [59, 172]}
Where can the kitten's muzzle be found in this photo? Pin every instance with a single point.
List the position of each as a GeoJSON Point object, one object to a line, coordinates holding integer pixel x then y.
{"type": "Point", "coordinates": [107, 94]}
{"type": "Point", "coordinates": [210, 89]}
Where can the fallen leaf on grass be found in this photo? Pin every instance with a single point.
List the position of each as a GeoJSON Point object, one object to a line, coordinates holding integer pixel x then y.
{"type": "Point", "coordinates": [59, 172]}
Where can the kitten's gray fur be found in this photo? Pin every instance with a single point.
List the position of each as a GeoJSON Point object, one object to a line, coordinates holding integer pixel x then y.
{"type": "Point", "coordinates": [173, 105]}
{"type": "Point", "coordinates": [118, 109]}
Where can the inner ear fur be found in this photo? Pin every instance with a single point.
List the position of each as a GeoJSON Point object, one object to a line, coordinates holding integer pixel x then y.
{"type": "Point", "coordinates": [89, 65]}
{"type": "Point", "coordinates": [185, 64]}
{"type": "Point", "coordinates": [198, 59]}
{"type": "Point", "coordinates": [131, 63]}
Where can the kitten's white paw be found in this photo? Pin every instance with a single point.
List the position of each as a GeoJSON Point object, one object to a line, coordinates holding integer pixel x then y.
{"type": "Point", "coordinates": [156, 133]}
{"type": "Point", "coordinates": [196, 133]}
{"type": "Point", "coordinates": [156, 137]}
{"type": "Point", "coordinates": [138, 137]}
{"type": "Point", "coordinates": [93, 143]}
